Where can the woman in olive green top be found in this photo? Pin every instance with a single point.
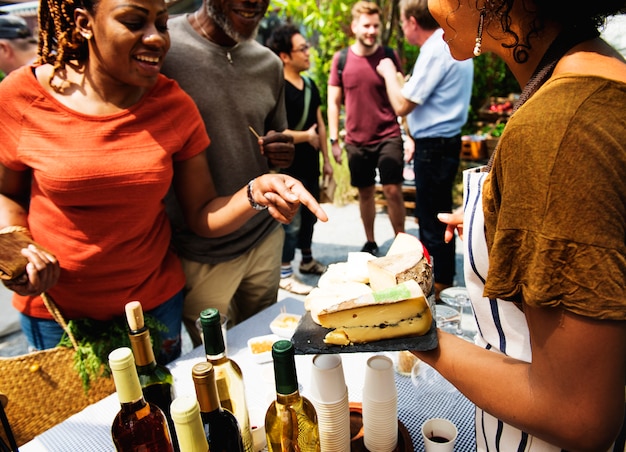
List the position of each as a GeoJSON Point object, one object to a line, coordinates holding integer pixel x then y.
{"type": "Point", "coordinates": [544, 232]}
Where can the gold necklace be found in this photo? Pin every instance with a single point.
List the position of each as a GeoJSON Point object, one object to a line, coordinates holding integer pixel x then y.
{"type": "Point", "coordinates": [206, 35]}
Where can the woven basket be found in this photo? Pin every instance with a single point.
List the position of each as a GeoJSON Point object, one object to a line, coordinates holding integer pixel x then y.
{"type": "Point", "coordinates": [44, 389]}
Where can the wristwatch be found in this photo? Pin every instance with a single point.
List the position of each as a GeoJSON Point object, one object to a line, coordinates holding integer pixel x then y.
{"type": "Point", "coordinates": [333, 141]}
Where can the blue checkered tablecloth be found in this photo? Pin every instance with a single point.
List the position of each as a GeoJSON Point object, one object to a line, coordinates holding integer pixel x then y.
{"type": "Point", "coordinates": [90, 430]}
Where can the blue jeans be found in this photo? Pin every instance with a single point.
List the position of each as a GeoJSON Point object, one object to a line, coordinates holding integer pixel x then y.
{"type": "Point", "coordinates": [46, 333]}
{"type": "Point", "coordinates": [436, 163]}
{"type": "Point", "coordinates": [292, 233]}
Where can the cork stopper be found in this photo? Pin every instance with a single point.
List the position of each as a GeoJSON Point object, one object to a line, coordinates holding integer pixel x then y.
{"type": "Point", "coordinates": [134, 315]}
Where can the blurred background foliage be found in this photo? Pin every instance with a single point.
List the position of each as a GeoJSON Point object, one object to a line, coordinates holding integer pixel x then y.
{"type": "Point", "coordinates": [326, 25]}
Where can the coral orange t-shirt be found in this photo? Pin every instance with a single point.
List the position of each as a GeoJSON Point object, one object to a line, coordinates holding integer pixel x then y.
{"type": "Point", "coordinates": [98, 184]}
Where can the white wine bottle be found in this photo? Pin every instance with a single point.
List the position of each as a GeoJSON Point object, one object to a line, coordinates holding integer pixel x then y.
{"type": "Point", "coordinates": [157, 382]}
{"type": "Point", "coordinates": [228, 376]}
{"type": "Point", "coordinates": [291, 420]}
{"type": "Point", "coordinates": [139, 425]}
{"type": "Point", "coordinates": [188, 424]}
{"type": "Point", "coordinates": [220, 426]}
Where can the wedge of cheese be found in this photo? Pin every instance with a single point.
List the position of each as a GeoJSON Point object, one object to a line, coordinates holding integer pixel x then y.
{"type": "Point", "coordinates": [405, 243]}
{"type": "Point", "coordinates": [322, 298]}
{"type": "Point", "coordinates": [391, 270]}
{"type": "Point", "coordinates": [388, 306]}
{"type": "Point", "coordinates": [416, 326]}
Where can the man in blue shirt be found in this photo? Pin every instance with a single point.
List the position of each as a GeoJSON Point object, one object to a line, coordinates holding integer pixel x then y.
{"type": "Point", "coordinates": [435, 101]}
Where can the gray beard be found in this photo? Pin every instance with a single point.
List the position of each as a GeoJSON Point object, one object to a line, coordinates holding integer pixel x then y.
{"type": "Point", "coordinates": [221, 20]}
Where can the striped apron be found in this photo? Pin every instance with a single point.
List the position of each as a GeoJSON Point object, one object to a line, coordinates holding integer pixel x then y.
{"type": "Point", "coordinates": [502, 326]}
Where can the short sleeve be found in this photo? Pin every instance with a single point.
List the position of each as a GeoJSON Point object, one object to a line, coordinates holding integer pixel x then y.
{"type": "Point", "coordinates": [555, 203]}
{"type": "Point", "coordinates": [333, 79]}
{"type": "Point", "coordinates": [15, 96]}
{"type": "Point", "coordinates": [191, 131]}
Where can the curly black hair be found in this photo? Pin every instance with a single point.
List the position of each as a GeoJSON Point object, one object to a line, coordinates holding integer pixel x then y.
{"type": "Point", "coordinates": [582, 15]}
{"type": "Point", "coordinates": [280, 39]}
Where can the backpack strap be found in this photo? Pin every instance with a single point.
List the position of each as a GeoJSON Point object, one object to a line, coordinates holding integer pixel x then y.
{"type": "Point", "coordinates": [343, 56]}
{"type": "Point", "coordinates": [389, 53]}
{"type": "Point", "coordinates": [307, 102]}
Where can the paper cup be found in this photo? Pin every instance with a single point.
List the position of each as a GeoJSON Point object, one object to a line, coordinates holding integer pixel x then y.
{"type": "Point", "coordinates": [334, 424]}
{"type": "Point", "coordinates": [379, 385]}
{"type": "Point", "coordinates": [257, 427]}
{"type": "Point", "coordinates": [439, 435]}
{"type": "Point", "coordinates": [328, 384]}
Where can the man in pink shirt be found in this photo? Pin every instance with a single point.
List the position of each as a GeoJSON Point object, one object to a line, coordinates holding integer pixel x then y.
{"type": "Point", "coordinates": [373, 139]}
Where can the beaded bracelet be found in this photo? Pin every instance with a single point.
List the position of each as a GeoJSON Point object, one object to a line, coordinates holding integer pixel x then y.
{"type": "Point", "coordinates": [255, 205]}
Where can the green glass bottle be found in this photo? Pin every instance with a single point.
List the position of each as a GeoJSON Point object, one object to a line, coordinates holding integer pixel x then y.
{"type": "Point", "coordinates": [228, 376]}
{"type": "Point", "coordinates": [291, 420]}
{"type": "Point", "coordinates": [157, 382]}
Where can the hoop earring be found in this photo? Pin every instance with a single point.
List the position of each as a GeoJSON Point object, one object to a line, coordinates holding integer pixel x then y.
{"type": "Point", "coordinates": [479, 33]}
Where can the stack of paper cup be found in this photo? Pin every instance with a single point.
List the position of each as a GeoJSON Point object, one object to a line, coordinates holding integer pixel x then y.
{"type": "Point", "coordinates": [329, 395]}
{"type": "Point", "coordinates": [380, 405]}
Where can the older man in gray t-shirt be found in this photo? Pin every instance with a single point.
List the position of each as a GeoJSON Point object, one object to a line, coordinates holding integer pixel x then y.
{"type": "Point", "coordinates": [237, 84]}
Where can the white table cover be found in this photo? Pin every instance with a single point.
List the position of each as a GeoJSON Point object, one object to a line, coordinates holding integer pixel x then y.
{"type": "Point", "coordinates": [90, 430]}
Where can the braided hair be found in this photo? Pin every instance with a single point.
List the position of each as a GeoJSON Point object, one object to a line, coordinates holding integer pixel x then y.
{"type": "Point", "coordinates": [60, 42]}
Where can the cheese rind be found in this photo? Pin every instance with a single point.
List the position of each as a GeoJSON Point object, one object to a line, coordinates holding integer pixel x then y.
{"type": "Point", "coordinates": [388, 271]}
{"type": "Point", "coordinates": [416, 326]}
{"type": "Point", "coordinates": [322, 298]}
{"type": "Point", "coordinates": [379, 314]}
{"type": "Point", "coordinates": [389, 306]}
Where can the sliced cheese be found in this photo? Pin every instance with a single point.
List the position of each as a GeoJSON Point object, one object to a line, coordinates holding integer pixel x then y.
{"type": "Point", "coordinates": [388, 307]}
{"type": "Point", "coordinates": [334, 274]}
{"type": "Point", "coordinates": [405, 243]}
{"type": "Point", "coordinates": [416, 326]}
{"type": "Point", "coordinates": [389, 271]}
{"type": "Point", "coordinates": [355, 270]}
{"type": "Point", "coordinates": [357, 266]}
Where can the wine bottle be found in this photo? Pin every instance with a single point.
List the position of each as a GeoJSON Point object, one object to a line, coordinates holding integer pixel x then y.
{"type": "Point", "coordinates": [139, 425]}
{"type": "Point", "coordinates": [157, 382]}
{"type": "Point", "coordinates": [228, 376]}
{"type": "Point", "coordinates": [291, 420]}
{"type": "Point", "coordinates": [220, 426]}
{"type": "Point", "coordinates": [188, 424]}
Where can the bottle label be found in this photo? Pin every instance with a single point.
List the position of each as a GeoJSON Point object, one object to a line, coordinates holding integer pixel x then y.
{"type": "Point", "coordinates": [224, 393]}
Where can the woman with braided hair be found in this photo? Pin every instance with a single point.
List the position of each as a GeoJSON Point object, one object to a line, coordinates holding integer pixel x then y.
{"type": "Point", "coordinates": [91, 139]}
{"type": "Point", "coordinates": [544, 230]}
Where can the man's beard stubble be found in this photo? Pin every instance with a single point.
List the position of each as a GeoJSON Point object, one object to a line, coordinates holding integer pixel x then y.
{"type": "Point", "coordinates": [366, 43]}
{"type": "Point", "coordinates": [222, 21]}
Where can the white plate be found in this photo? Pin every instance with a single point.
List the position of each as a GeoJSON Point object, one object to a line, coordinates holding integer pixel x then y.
{"type": "Point", "coordinates": [285, 324]}
{"type": "Point", "coordinates": [261, 347]}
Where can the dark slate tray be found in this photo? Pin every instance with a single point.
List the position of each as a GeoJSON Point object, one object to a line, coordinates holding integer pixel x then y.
{"type": "Point", "coordinates": [309, 340]}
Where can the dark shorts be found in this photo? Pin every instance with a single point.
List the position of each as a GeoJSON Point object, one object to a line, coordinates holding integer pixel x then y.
{"type": "Point", "coordinates": [387, 156]}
